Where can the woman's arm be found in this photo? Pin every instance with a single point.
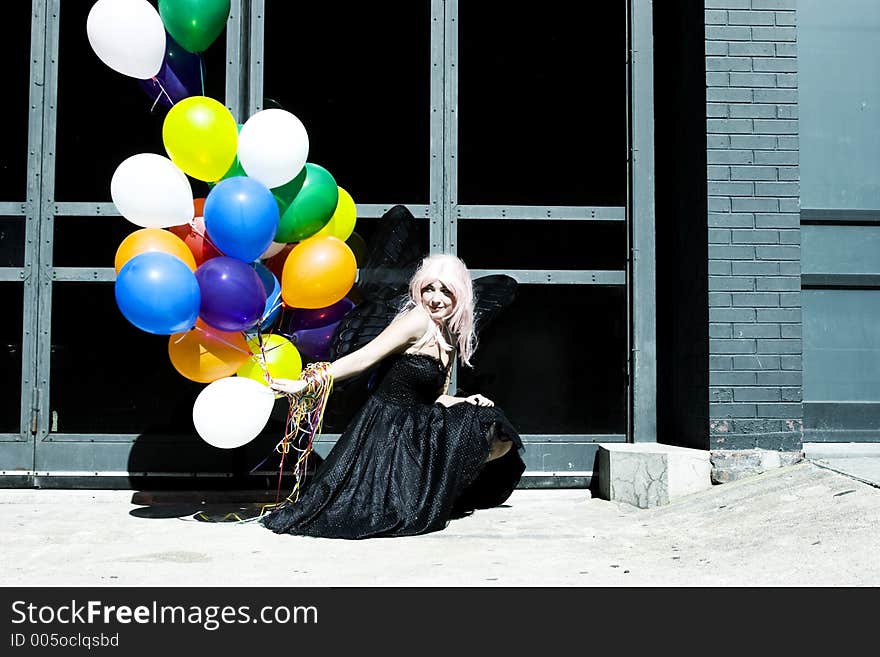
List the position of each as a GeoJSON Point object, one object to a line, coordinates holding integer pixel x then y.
{"type": "Point", "coordinates": [478, 400]}
{"type": "Point", "coordinates": [397, 336]}
{"type": "Point", "coordinates": [449, 400]}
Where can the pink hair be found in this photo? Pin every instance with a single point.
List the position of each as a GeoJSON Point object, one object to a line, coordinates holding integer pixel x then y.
{"type": "Point", "coordinates": [453, 273]}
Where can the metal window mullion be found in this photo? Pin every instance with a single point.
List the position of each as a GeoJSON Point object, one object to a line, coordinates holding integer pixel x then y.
{"type": "Point", "coordinates": [31, 291]}
{"type": "Point", "coordinates": [234, 78]}
{"type": "Point", "coordinates": [84, 274]}
{"type": "Point", "coordinates": [542, 212]}
{"type": "Point", "coordinates": [17, 274]}
{"type": "Point", "coordinates": [256, 48]}
{"type": "Point", "coordinates": [46, 231]}
{"type": "Point", "coordinates": [450, 144]}
{"type": "Point", "coordinates": [450, 132]}
{"type": "Point", "coordinates": [84, 209]}
{"type": "Point", "coordinates": [559, 276]}
{"type": "Point", "coordinates": [13, 209]}
{"type": "Point", "coordinates": [437, 102]}
{"type": "Point", "coordinates": [640, 94]}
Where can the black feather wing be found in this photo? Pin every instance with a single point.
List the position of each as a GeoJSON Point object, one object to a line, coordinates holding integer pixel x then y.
{"type": "Point", "coordinates": [492, 294]}
{"type": "Point", "coordinates": [392, 258]}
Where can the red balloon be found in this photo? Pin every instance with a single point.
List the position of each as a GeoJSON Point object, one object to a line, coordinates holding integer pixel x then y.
{"type": "Point", "coordinates": [275, 264]}
{"type": "Point", "coordinates": [195, 237]}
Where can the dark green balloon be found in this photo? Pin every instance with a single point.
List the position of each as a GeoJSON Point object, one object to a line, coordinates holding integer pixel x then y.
{"type": "Point", "coordinates": [194, 24]}
{"type": "Point", "coordinates": [358, 246]}
{"type": "Point", "coordinates": [288, 191]}
{"type": "Point", "coordinates": [236, 168]}
{"type": "Point", "coordinates": [306, 203]}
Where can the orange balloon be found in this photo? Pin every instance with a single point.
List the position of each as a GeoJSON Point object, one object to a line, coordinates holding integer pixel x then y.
{"type": "Point", "coordinates": [153, 239]}
{"type": "Point", "coordinates": [318, 272]}
{"type": "Point", "coordinates": [199, 207]}
{"type": "Point", "coordinates": [205, 354]}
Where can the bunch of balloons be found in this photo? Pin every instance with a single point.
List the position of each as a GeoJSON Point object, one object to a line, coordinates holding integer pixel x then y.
{"type": "Point", "coordinates": [198, 270]}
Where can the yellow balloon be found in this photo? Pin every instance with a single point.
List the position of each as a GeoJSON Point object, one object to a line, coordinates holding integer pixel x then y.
{"type": "Point", "coordinates": [278, 355]}
{"type": "Point", "coordinates": [341, 224]}
{"type": "Point", "coordinates": [201, 137]}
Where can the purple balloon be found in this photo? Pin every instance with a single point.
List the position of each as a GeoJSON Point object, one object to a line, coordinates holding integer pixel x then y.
{"type": "Point", "coordinates": [180, 75]}
{"type": "Point", "coordinates": [314, 343]}
{"type": "Point", "coordinates": [303, 319]}
{"type": "Point", "coordinates": [233, 296]}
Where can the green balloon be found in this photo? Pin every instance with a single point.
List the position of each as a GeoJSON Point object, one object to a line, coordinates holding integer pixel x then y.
{"type": "Point", "coordinates": [306, 203]}
{"type": "Point", "coordinates": [194, 24]}
{"type": "Point", "coordinates": [236, 168]}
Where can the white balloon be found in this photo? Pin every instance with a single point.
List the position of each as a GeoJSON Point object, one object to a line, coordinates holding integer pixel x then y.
{"type": "Point", "coordinates": [273, 147]}
{"type": "Point", "coordinates": [274, 249]}
{"type": "Point", "coordinates": [150, 191]}
{"type": "Point", "coordinates": [128, 36]}
{"type": "Point", "coordinates": [232, 411]}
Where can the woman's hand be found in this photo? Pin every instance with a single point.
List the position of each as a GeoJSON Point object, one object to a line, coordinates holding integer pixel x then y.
{"type": "Point", "coordinates": [479, 400]}
{"type": "Point", "coordinates": [288, 386]}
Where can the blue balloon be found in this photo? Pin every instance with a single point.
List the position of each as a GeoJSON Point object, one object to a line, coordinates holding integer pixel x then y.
{"type": "Point", "coordinates": [241, 217]}
{"type": "Point", "coordinates": [158, 293]}
{"type": "Point", "coordinates": [233, 296]}
{"type": "Point", "coordinates": [273, 295]}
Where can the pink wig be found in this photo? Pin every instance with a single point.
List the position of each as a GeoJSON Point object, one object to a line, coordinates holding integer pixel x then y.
{"type": "Point", "coordinates": [453, 273]}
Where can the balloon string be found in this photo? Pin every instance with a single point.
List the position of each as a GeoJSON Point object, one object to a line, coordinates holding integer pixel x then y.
{"type": "Point", "coordinates": [204, 235]}
{"type": "Point", "coordinates": [221, 340]}
{"type": "Point", "coordinates": [202, 71]}
{"type": "Point", "coordinates": [305, 418]}
{"type": "Point", "coordinates": [262, 359]}
{"type": "Point", "coordinates": [276, 306]}
{"type": "Point", "coordinates": [156, 80]}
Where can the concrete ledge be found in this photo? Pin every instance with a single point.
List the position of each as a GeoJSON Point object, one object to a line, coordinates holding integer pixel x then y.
{"type": "Point", "coordinates": [841, 450]}
{"type": "Point", "coordinates": [649, 474]}
{"type": "Point", "coordinates": [734, 464]}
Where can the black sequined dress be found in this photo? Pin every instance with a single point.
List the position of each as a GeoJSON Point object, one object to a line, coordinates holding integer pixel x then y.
{"type": "Point", "coordinates": [406, 465]}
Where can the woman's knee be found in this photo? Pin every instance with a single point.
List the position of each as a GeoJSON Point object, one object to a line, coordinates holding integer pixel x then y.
{"type": "Point", "coordinates": [498, 449]}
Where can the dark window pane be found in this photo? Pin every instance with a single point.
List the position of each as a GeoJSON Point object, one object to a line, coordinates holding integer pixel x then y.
{"type": "Point", "coordinates": [12, 230]}
{"type": "Point", "coordinates": [12, 298]}
{"type": "Point", "coordinates": [89, 241]}
{"type": "Point", "coordinates": [550, 370]}
{"type": "Point", "coordinates": [544, 244]}
{"type": "Point", "coordinates": [103, 116]}
{"type": "Point", "coordinates": [107, 375]}
{"type": "Point", "coordinates": [359, 80]}
{"type": "Point", "coordinates": [542, 104]}
{"type": "Point", "coordinates": [15, 50]}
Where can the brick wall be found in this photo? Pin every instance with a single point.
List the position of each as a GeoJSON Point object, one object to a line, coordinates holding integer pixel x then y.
{"type": "Point", "coordinates": [754, 226]}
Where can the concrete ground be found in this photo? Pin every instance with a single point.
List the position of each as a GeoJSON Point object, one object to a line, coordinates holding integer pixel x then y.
{"type": "Point", "coordinates": [802, 525]}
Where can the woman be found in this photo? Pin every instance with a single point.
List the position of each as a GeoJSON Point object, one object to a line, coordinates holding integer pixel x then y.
{"type": "Point", "coordinates": [414, 456]}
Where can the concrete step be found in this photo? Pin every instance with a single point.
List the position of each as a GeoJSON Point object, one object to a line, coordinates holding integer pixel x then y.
{"type": "Point", "coordinates": [649, 474]}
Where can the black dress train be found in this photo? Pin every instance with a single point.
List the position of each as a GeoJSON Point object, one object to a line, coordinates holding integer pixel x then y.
{"type": "Point", "coordinates": [406, 465]}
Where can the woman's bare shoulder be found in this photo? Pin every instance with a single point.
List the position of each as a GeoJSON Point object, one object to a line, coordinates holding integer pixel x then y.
{"type": "Point", "coordinates": [414, 323]}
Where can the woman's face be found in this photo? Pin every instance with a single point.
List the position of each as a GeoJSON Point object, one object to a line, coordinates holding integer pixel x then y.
{"type": "Point", "coordinates": [438, 300]}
